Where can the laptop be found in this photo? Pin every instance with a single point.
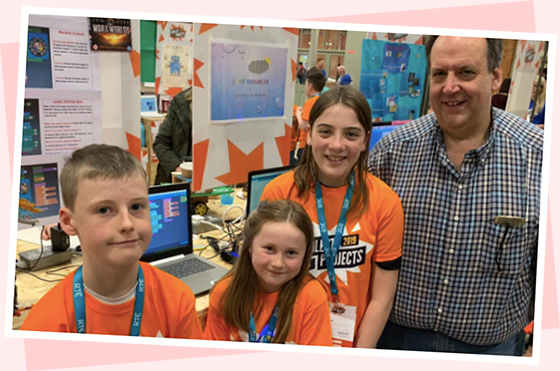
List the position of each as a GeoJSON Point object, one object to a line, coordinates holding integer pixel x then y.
{"type": "Point", "coordinates": [258, 179]}
{"type": "Point", "coordinates": [171, 248]}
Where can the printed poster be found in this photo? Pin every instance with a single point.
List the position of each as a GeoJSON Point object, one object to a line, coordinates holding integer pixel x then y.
{"type": "Point", "coordinates": [110, 34]}
{"type": "Point", "coordinates": [58, 58]}
{"type": "Point", "coordinates": [175, 68]}
{"type": "Point", "coordinates": [247, 81]}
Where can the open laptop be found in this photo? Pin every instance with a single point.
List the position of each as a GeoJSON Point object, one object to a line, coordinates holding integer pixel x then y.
{"type": "Point", "coordinates": [171, 248]}
{"type": "Point", "coordinates": [258, 179]}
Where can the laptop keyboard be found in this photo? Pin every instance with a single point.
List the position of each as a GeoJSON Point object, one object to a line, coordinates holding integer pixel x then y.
{"type": "Point", "coordinates": [187, 267]}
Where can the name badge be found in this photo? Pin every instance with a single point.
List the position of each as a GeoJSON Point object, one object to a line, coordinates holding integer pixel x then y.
{"type": "Point", "coordinates": [343, 321]}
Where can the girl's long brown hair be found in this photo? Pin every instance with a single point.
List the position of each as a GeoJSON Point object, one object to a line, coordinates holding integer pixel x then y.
{"type": "Point", "coordinates": [239, 298]}
{"type": "Point", "coordinates": [306, 174]}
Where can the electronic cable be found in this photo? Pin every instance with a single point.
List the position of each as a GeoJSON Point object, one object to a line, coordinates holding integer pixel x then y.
{"type": "Point", "coordinates": [39, 278]}
{"type": "Point", "coordinates": [41, 254]}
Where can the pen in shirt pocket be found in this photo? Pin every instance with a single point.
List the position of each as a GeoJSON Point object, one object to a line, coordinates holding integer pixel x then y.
{"type": "Point", "coordinates": [509, 222]}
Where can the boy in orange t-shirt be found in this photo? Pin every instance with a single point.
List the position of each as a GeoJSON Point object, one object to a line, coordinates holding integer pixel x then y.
{"type": "Point", "coordinates": [106, 205]}
{"type": "Point", "coordinates": [313, 86]}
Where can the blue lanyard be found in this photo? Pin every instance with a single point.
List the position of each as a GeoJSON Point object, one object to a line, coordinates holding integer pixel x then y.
{"type": "Point", "coordinates": [80, 303]}
{"type": "Point", "coordinates": [267, 332]}
{"type": "Point", "coordinates": [331, 251]}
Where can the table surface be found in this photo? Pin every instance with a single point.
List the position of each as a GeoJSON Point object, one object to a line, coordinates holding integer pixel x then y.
{"type": "Point", "coordinates": [30, 289]}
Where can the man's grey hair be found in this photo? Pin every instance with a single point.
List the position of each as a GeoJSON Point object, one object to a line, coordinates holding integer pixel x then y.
{"type": "Point", "coordinates": [493, 53]}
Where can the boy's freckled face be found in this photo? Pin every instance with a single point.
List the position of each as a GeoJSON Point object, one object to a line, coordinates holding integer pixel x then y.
{"type": "Point", "coordinates": [112, 220]}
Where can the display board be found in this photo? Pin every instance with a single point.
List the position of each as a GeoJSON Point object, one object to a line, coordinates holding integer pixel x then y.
{"type": "Point", "coordinates": [396, 37]}
{"type": "Point", "coordinates": [62, 111]}
{"type": "Point", "coordinates": [243, 78]}
{"type": "Point", "coordinates": [393, 79]}
{"type": "Point", "coordinates": [70, 104]}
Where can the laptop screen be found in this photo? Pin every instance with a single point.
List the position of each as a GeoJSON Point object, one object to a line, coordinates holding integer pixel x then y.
{"type": "Point", "coordinates": [379, 130]}
{"type": "Point", "coordinates": [257, 181]}
{"type": "Point", "coordinates": [171, 221]}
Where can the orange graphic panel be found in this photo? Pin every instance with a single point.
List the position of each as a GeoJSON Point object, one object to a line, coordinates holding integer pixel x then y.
{"type": "Point", "coordinates": [294, 70]}
{"type": "Point", "coordinates": [241, 164]}
{"type": "Point", "coordinates": [134, 145]}
{"type": "Point", "coordinates": [206, 27]}
{"type": "Point", "coordinates": [295, 31]}
{"type": "Point", "coordinates": [157, 82]}
{"type": "Point", "coordinates": [200, 154]}
{"type": "Point", "coordinates": [163, 24]}
{"type": "Point", "coordinates": [173, 91]}
{"type": "Point", "coordinates": [135, 62]}
{"type": "Point", "coordinates": [283, 144]}
{"type": "Point", "coordinates": [251, 27]}
{"type": "Point", "coordinates": [197, 64]}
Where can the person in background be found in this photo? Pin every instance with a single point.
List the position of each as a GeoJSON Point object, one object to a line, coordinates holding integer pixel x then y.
{"type": "Point", "coordinates": [344, 78]}
{"type": "Point", "coordinates": [294, 135]}
{"type": "Point", "coordinates": [331, 83]}
{"type": "Point", "coordinates": [105, 195]}
{"type": "Point", "coordinates": [500, 100]}
{"type": "Point", "coordinates": [269, 295]}
{"type": "Point", "coordinates": [469, 177]}
{"type": "Point", "coordinates": [301, 73]}
{"type": "Point", "coordinates": [361, 213]}
{"type": "Point", "coordinates": [538, 95]}
{"type": "Point", "coordinates": [313, 86]}
{"type": "Point", "coordinates": [173, 143]}
{"type": "Point", "coordinates": [321, 66]}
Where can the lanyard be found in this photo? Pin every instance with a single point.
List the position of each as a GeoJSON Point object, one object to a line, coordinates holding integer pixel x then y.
{"type": "Point", "coordinates": [267, 331]}
{"type": "Point", "coordinates": [80, 303]}
{"type": "Point", "coordinates": [331, 251]}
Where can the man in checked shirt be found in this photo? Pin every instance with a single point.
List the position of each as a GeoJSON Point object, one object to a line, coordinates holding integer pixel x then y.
{"type": "Point", "coordinates": [467, 279]}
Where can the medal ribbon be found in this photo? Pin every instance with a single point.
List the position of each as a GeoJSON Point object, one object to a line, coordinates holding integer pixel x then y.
{"type": "Point", "coordinates": [331, 251]}
{"type": "Point", "coordinates": [267, 332]}
{"type": "Point", "coordinates": [80, 303]}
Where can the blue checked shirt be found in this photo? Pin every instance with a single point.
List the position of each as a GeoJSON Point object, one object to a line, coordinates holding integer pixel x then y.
{"type": "Point", "coordinates": [454, 278]}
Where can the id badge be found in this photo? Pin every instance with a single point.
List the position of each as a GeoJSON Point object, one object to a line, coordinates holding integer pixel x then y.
{"type": "Point", "coordinates": [343, 321]}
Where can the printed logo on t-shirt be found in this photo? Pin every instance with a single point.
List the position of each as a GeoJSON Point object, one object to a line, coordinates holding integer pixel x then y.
{"type": "Point", "coordinates": [351, 255]}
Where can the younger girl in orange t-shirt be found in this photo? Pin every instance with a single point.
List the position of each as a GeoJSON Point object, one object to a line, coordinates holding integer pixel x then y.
{"type": "Point", "coordinates": [269, 295]}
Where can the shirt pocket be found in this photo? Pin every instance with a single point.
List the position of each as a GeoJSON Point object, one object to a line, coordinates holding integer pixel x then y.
{"type": "Point", "coordinates": [502, 250]}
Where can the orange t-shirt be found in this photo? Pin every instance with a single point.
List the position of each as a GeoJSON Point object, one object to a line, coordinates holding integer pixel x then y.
{"type": "Point", "coordinates": [305, 116]}
{"type": "Point", "coordinates": [169, 310]}
{"type": "Point", "coordinates": [375, 237]}
{"type": "Point", "coordinates": [311, 324]}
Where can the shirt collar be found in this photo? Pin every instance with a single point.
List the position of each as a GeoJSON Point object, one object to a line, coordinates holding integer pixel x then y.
{"type": "Point", "coordinates": [481, 153]}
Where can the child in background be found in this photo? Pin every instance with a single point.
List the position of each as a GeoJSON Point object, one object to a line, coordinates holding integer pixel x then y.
{"type": "Point", "coordinates": [106, 205]}
{"type": "Point", "coordinates": [269, 295]}
{"type": "Point", "coordinates": [313, 87]}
